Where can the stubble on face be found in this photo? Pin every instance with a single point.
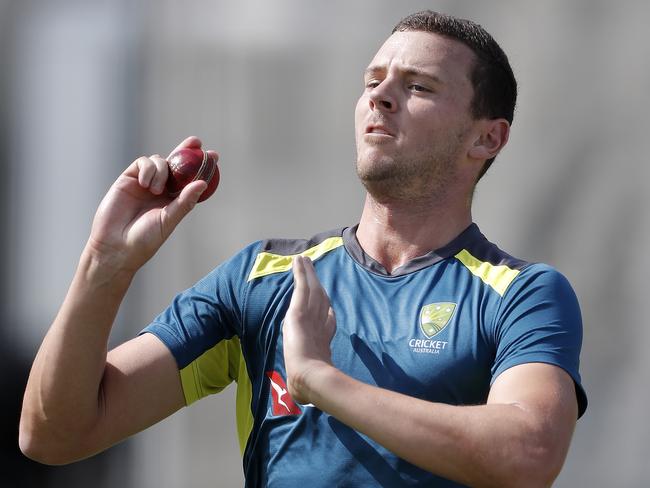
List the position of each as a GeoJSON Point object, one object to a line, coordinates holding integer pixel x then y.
{"type": "Point", "coordinates": [425, 174]}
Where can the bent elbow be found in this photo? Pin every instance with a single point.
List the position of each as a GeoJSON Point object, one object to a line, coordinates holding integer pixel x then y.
{"type": "Point", "coordinates": [540, 463]}
{"type": "Point", "coordinates": [34, 448]}
{"type": "Point", "coordinates": [36, 444]}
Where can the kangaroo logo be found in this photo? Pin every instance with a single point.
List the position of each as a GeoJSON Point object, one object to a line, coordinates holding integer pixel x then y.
{"type": "Point", "coordinates": [283, 404]}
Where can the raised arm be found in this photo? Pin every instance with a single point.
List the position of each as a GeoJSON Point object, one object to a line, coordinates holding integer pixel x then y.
{"type": "Point", "coordinates": [519, 438]}
{"type": "Point", "coordinates": [80, 398]}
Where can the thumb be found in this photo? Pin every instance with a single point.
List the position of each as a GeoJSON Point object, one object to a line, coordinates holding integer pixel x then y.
{"type": "Point", "coordinates": [180, 206]}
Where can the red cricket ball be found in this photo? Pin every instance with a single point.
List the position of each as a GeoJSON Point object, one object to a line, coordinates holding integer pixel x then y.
{"type": "Point", "coordinates": [190, 164]}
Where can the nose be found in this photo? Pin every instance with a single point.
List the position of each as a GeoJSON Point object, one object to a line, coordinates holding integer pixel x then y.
{"type": "Point", "coordinates": [381, 98]}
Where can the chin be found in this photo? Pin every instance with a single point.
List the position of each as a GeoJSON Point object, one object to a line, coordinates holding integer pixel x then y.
{"type": "Point", "coordinates": [380, 182]}
{"type": "Point", "coordinates": [375, 168]}
{"type": "Point", "coordinates": [385, 191]}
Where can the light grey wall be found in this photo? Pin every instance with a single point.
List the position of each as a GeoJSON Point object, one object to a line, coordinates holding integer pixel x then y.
{"type": "Point", "coordinates": [89, 86]}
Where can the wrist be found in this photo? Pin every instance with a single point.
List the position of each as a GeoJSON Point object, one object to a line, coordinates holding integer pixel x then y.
{"type": "Point", "coordinates": [103, 267]}
{"type": "Point", "coordinates": [314, 381]}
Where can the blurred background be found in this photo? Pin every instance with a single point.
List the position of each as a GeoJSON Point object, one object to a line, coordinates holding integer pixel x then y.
{"type": "Point", "coordinates": [88, 86]}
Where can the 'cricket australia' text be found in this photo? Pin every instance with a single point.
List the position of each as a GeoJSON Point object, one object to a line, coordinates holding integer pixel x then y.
{"type": "Point", "coordinates": [427, 346]}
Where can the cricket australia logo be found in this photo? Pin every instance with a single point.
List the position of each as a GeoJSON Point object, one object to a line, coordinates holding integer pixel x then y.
{"type": "Point", "coordinates": [434, 317]}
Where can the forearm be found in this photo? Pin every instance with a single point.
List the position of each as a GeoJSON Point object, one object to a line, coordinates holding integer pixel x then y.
{"type": "Point", "coordinates": [486, 445]}
{"type": "Point", "coordinates": [81, 399]}
{"type": "Point", "coordinates": [63, 397]}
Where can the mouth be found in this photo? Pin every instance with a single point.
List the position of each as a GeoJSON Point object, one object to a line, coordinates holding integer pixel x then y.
{"type": "Point", "coordinates": [378, 130]}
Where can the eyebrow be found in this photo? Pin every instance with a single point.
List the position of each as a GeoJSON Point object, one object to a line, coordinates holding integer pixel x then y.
{"type": "Point", "coordinates": [372, 70]}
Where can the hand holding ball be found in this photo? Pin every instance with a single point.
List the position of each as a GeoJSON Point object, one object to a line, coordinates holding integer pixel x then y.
{"type": "Point", "coordinates": [191, 164]}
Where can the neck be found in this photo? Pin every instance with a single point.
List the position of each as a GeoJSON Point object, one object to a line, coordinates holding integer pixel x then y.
{"type": "Point", "coordinates": [394, 233]}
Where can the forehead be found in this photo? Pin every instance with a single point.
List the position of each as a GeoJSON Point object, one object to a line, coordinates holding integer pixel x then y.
{"type": "Point", "coordinates": [448, 59]}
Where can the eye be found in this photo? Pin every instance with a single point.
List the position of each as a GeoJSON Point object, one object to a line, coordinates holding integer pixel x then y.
{"type": "Point", "coordinates": [372, 84]}
{"type": "Point", "coordinates": [418, 88]}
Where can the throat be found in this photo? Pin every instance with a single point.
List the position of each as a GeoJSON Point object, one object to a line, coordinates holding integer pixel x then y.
{"type": "Point", "coordinates": [395, 236]}
{"type": "Point", "coordinates": [393, 258]}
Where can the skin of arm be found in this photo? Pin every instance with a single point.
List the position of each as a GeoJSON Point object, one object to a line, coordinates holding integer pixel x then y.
{"type": "Point", "coordinates": [80, 398]}
{"type": "Point", "coordinates": [520, 437]}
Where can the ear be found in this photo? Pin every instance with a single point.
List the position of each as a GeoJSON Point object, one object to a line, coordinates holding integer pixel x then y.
{"type": "Point", "coordinates": [493, 136]}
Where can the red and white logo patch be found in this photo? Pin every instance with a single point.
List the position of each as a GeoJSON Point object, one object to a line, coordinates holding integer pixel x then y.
{"type": "Point", "coordinates": [283, 404]}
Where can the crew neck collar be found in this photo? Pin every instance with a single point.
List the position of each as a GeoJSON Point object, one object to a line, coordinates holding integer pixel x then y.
{"type": "Point", "coordinates": [357, 253]}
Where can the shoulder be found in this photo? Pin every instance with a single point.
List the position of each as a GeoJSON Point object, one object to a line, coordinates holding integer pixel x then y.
{"type": "Point", "coordinates": [505, 273]}
{"type": "Point", "coordinates": [269, 256]}
{"type": "Point", "coordinates": [484, 259]}
{"type": "Point", "coordinates": [537, 318]}
{"type": "Point", "coordinates": [276, 255]}
{"type": "Point", "coordinates": [543, 292]}
{"type": "Point", "coordinates": [288, 247]}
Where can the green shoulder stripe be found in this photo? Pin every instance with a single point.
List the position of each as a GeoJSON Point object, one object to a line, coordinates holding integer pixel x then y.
{"type": "Point", "coordinates": [267, 263]}
{"type": "Point", "coordinates": [498, 277]}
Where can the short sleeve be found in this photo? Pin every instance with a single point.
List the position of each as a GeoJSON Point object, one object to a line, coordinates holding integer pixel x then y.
{"type": "Point", "coordinates": [209, 312]}
{"type": "Point", "coordinates": [539, 320]}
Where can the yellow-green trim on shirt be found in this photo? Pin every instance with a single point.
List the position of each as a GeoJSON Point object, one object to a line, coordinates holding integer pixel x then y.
{"type": "Point", "coordinates": [215, 369]}
{"type": "Point", "coordinates": [267, 263]}
{"type": "Point", "coordinates": [498, 277]}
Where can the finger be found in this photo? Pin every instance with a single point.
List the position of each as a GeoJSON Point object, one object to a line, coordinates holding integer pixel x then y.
{"type": "Point", "coordinates": [157, 184]}
{"type": "Point", "coordinates": [214, 155]}
{"type": "Point", "coordinates": [331, 319]}
{"type": "Point", "coordinates": [300, 291]}
{"type": "Point", "coordinates": [190, 194]}
{"type": "Point", "coordinates": [178, 208]}
{"type": "Point", "coordinates": [146, 169]}
{"type": "Point", "coordinates": [191, 141]}
{"type": "Point", "coordinates": [317, 293]}
{"type": "Point", "coordinates": [331, 315]}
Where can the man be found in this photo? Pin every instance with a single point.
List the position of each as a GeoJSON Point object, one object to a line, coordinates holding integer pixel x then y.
{"type": "Point", "coordinates": [407, 350]}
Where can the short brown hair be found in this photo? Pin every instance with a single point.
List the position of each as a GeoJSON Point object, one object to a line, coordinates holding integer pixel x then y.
{"type": "Point", "coordinates": [494, 83]}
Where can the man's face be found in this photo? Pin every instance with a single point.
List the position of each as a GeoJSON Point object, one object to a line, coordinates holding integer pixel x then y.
{"type": "Point", "coordinates": [413, 117]}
